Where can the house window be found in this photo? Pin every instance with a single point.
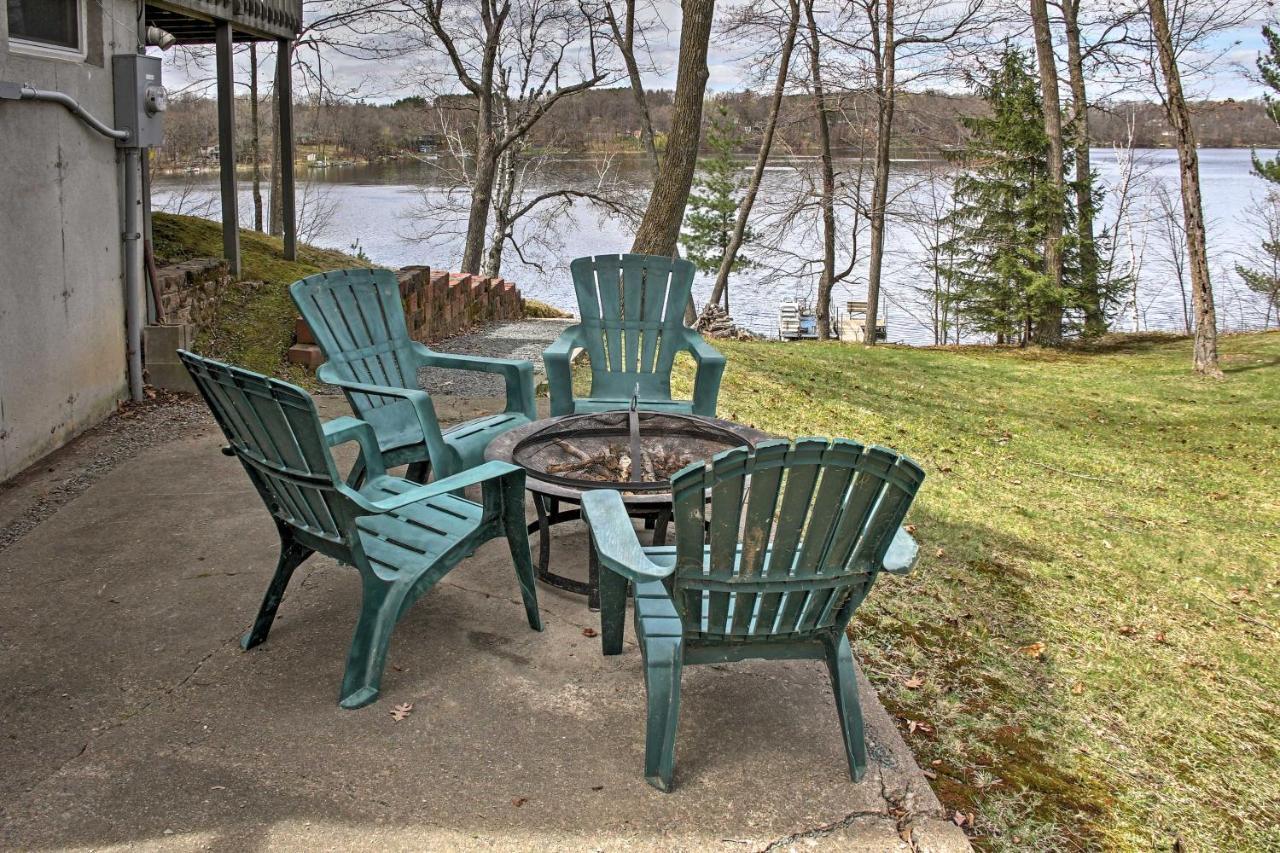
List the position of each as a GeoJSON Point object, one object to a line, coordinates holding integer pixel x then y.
{"type": "Point", "coordinates": [47, 27]}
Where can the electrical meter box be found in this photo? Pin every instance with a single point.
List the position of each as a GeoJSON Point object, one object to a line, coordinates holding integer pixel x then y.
{"type": "Point", "coordinates": [140, 99]}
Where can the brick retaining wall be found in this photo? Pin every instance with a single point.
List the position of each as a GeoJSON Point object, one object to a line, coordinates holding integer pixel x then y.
{"type": "Point", "coordinates": [437, 305]}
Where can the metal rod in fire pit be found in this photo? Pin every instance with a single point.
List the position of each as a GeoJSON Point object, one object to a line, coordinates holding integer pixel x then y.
{"type": "Point", "coordinates": [633, 423]}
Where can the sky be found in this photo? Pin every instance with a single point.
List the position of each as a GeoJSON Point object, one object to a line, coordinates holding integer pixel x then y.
{"type": "Point", "coordinates": [385, 80]}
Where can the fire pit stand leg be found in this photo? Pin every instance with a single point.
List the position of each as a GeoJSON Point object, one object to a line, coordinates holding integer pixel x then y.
{"type": "Point", "coordinates": [549, 514]}
{"type": "Point", "coordinates": [660, 522]}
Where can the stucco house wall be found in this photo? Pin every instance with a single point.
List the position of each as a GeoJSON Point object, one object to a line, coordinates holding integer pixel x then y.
{"type": "Point", "coordinates": [62, 340]}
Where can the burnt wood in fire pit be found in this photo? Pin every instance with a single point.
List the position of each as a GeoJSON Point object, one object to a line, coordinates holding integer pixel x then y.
{"type": "Point", "coordinates": [597, 450]}
{"type": "Point", "coordinates": [566, 456]}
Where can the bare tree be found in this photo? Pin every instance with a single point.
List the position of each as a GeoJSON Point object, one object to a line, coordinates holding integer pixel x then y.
{"type": "Point", "coordinates": [1205, 358]}
{"type": "Point", "coordinates": [826, 168]}
{"type": "Point", "coordinates": [1049, 325]}
{"type": "Point", "coordinates": [548, 42]}
{"type": "Point", "coordinates": [898, 30]}
{"type": "Point", "coordinates": [659, 229]}
{"type": "Point", "coordinates": [752, 18]}
{"type": "Point", "coordinates": [1110, 28]}
{"type": "Point", "coordinates": [927, 218]}
{"type": "Point", "coordinates": [628, 36]}
{"type": "Point", "coordinates": [255, 145]}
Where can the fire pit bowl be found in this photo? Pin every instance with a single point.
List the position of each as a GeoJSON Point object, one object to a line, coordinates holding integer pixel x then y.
{"type": "Point", "coordinates": [599, 450]}
{"type": "Point", "coordinates": [565, 456]}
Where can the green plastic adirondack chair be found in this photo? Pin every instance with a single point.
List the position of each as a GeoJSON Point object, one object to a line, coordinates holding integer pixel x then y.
{"type": "Point", "coordinates": [632, 309]}
{"type": "Point", "coordinates": [795, 538]}
{"type": "Point", "coordinates": [358, 320]}
{"type": "Point", "coordinates": [402, 537]}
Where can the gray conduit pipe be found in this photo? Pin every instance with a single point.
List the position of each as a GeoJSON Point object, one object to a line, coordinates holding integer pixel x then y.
{"type": "Point", "coordinates": [132, 236]}
{"type": "Point", "coordinates": [26, 92]}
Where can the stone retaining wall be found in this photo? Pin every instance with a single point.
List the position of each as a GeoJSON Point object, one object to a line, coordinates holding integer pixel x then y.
{"type": "Point", "coordinates": [189, 291]}
{"type": "Point", "coordinates": [437, 305]}
{"type": "Point", "coordinates": [189, 294]}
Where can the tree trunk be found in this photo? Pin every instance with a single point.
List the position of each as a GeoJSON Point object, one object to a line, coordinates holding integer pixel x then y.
{"type": "Point", "coordinates": [502, 224]}
{"type": "Point", "coordinates": [1205, 358]}
{"type": "Point", "coordinates": [827, 199]}
{"type": "Point", "coordinates": [275, 220]}
{"type": "Point", "coordinates": [886, 98]}
{"type": "Point", "coordinates": [659, 229]}
{"type": "Point", "coordinates": [1095, 319]}
{"type": "Point", "coordinates": [486, 171]}
{"type": "Point", "coordinates": [1049, 323]}
{"type": "Point", "coordinates": [762, 158]}
{"type": "Point", "coordinates": [624, 36]}
{"type": "Point", "coordinates": [255, 142]}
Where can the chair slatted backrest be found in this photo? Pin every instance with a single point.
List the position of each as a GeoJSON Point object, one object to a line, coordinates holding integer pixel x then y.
{"type": "Point", "coordinates": [630, 305]}
{"type": "Point", "coordinates": [274, 429]}
{"type": "Point", "coordinates": [358, 320]}
{"type": "Point", "coordinates": [795, 539]}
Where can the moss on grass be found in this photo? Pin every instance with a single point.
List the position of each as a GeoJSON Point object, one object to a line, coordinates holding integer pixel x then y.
{"type": "Point", "coordinates": [254, 323]}
{"type": "Point", "coordinates": [1102, 501]}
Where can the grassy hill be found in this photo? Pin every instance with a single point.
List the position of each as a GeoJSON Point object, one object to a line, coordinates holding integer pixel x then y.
{"type": "Point", "coordinates": [254, 323]}
{"type": "Point", "coordinates": [1089, 646]}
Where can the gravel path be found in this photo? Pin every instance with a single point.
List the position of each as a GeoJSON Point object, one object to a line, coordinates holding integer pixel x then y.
{"type": "Point", "coordinates": [524, 339]}
{"type": "Point", "coordinates": [33, 495]}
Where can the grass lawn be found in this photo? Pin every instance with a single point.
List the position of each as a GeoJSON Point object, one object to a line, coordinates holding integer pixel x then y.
{"type": "Point", "coordinates": [1088, 654]}
{"type": "Point", "coordinates": [255, 319]}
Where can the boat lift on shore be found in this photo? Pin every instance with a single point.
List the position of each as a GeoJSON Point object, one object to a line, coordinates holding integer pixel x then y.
{"type": "Point", "coordinates": [798, 322]}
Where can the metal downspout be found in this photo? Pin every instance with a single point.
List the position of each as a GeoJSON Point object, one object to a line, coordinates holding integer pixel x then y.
{"type": "Point", "coordinates": [132, 237]}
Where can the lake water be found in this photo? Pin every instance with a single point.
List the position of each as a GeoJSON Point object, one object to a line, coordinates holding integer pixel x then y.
{"type": "Point", "coordinates": [405, 213]}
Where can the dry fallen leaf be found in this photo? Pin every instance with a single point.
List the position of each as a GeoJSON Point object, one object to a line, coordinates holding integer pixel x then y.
{"type": "Point", "coordinates": [519, 801]}
{"type": "Point", "coordinates": [930, 774]}
{"type": "Point", "coordinates": [1035, 650]}
{"type": "Point", "coordinates": [1128, 630]}
{"type": "Point", "coordinates": [1077, 688]}
{"type": "Point", "coordinates": [911, 528]}
{"type": "Point", "coordinates": [401, 711]}
{"type": "Point", "coordinates": [590, 632]}
{"type": "Point", "coordinates": [939, 553]}
{"type": "Point", "coordinates": [914, 682]}
{"type": "Point", "coordinates": [914, 726]}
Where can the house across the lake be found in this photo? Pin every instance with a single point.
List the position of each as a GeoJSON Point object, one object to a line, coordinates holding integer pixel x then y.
{"type": "Point", "coordinates": [77, 109]}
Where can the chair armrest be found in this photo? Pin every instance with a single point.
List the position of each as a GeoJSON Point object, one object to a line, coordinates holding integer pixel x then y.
{"type": "Point", "coordinates": [556, 360]}
{"type": "Point", "coordinates": [455, 483]}
{"type": "Point", "coordinates": [419, 400]}
{"type": "Point", "coordinates": [341, 430]}
{"type": "Point", "coordinates": [517, 372]}
{"type": "Point", "coordinates": [615, 539]}
{"type": "Point", "coordinates": [902, 553]}
{"type": "Point", "coordinates": [706, 382]}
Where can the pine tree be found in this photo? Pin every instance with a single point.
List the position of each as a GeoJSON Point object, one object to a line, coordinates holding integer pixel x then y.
{"type": "Point", "coordinates": [713, 202]}
{"type": "Point", "coordinates": [1000, 282]}
{"type": "Point", "coordinates": [1265, 279]}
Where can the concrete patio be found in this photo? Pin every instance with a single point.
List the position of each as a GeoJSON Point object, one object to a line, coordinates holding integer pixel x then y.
{"type": "Point", "coordinates": [133, 560]}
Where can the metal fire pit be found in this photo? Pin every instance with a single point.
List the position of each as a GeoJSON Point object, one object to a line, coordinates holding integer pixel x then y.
{"type": "Point", "coordinates": [582, 451]}
{"type": "Point", "coordinates": [540, 445]}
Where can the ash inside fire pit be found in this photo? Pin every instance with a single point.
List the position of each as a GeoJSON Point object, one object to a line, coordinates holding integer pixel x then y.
{"type": "Point", "coordinates": [594, 450]}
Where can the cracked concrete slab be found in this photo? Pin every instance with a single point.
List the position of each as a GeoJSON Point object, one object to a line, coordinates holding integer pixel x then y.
{"type": "Point", "coordinates": [133, 718]}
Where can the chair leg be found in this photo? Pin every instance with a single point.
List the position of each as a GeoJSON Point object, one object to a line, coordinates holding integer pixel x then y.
{"type": "Point", "coordinates": [379, 609]}
{"type": "Point", "coordinates": [518, 539]}
{"type": "Point", "coordinates": [419, 472]}
{"type": "Point", "coordinates": [844, 682]}
{"type": "Point", "coordinates": [663, 662]}
{"type": "Point", "coordinates": [292, 555]}
{"type": "Point", "coordinates": [355, 477]}
{"type": "Point", "coordinates": [613, 610]}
